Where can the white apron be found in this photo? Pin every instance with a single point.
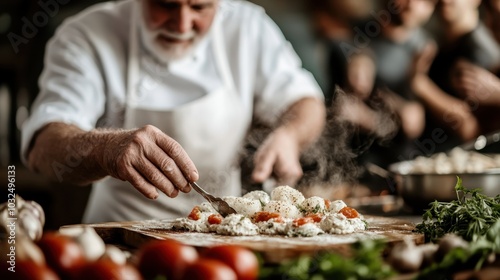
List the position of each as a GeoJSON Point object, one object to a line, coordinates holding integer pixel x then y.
{"type": "Point", "coordinates": [211, 129]}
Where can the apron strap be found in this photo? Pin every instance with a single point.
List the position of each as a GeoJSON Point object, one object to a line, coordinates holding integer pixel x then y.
{"type": "Point", "coordinates": [221, 55]}
{"type": "Point", "coordinates": [133, 55]}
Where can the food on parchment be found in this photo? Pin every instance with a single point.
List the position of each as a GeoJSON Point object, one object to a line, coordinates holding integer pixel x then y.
{"type": "Point", "coordinates": [284, 212]}
{"type": "Point", "coordinates": [456, 161]}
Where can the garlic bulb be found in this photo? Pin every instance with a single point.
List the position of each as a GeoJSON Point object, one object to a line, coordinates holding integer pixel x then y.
{"type": "Point", "coordinates": [28, 217]}
{"type": "Point", "coordinates": [92, 244]}
{"type": "Point", "coordinates": [115, 255]}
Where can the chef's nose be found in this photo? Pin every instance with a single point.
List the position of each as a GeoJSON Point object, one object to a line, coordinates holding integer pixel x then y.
{"type": "Point", "coordinates": [183, 20]}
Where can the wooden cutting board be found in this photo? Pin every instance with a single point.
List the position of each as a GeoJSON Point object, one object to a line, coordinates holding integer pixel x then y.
{"type": "Point", "coordinates": [273, 248]}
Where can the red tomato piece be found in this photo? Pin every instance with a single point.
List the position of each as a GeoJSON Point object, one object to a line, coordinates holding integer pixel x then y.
{"type": "Point", "coordinates": [315, 217]}
{"type": "Point", "coordinates": [302, 221]}
{"type": "Point", "coordinates": [62, 254]}
{"type": "Point", "coordinates": [327, 203]}
{"type": "Point", "coordinates": [209, 269]}
{"type": "Point", "coordinates": [266, 216]}
{"type": "Point", "coordinates": [195, 214]}
{"type": "Point", "coordinates": [241, 260]}
{"type": "Point", "coordinates": [215, 219]}
{"type": "Point", "coordinates": [107, 269]}
{"type": "Point", "coordinates": [27, 270]}
{"type": "Point", "coordinates": [165, 258]}
{"type": "Point", "coordinates": [349, 212]}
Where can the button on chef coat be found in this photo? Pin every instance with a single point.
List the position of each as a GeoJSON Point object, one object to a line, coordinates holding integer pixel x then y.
{"type": "Point", "coordinates": [84, 81]}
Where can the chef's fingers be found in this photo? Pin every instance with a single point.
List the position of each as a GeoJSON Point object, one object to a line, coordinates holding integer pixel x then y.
{"type": "Point", "coordinates": [167, 165]}
{"type": "Point", "coordinates": [177, 153]}
{"type": "Point", "coordinates": [263, 165]}
{"type": "Point", "coordinates": [155, 177]}
{"type": "Point", "coordinates": [143, 186]}
{"type": "Point", "coordinates": [288, 171]}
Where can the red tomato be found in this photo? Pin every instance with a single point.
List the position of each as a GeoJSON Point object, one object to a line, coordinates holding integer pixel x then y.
{"type": "Point", "coordinates": [215, 219]}
{"type": "Point", "coordinates": [266, 216]}
{"type": "Point", "coordinates": [106, 269]}
{"type": "Point", "coordinates": [349, 212]}
{"type": "Point", "coordinates": [327, 204]}
{"type": "Point", "coordinates": [195, 214]}
{"type": "Point", "coordinates": [28, 270]}
{"type": "Point", "coordinates": [209, 269]}
{"type": "Point", "coordinates": [62, 254]}
{"type": "Point", "coordinates": [302, 221]}
{"type": "Point", "coordinates": [315, 217]}
{"type": "Point", "coordinates": [241, 260]}
{"type": "Point", "coordinates": [165, 257]}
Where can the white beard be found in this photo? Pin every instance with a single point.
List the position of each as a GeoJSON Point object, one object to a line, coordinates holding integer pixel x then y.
{"type": "Point", "coordinates": [167, 52]}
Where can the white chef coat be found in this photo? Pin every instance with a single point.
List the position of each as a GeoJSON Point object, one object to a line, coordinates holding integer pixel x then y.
{"type": "Point", "coordinates": [84, 81]}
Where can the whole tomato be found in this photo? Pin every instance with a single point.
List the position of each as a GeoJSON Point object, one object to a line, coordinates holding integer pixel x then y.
{"type": "Point", "coordinates": [209, 269]}
{"type": "Point", "coordinates": [62, 254]}
{"type": "Point", "coordinates": [241, 260]}
{"type": "Point", "coordinates": [106, 270]}
{"type": "Point", "coordinates": [165, 258]}
{"type": "Point", "coordinates": [28, 270]}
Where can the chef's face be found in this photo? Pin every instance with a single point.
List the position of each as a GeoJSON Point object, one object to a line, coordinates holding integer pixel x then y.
{"type": "Point", "coordinates": [453, 10]}
{"type": "Point", "coordinates": [175, 26]}
{"type": "Point", "coordinates": [415, 13]}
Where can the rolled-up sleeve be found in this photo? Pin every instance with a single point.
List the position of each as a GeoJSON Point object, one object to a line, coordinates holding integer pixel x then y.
{"type": "Point", "coordinates": [71, 86]}
{"type": "Point", "coordinates": [281, 81]}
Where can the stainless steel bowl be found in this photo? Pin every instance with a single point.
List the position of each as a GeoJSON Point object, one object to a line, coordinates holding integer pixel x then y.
{"type": "Point", "coordinates": [419, 190]}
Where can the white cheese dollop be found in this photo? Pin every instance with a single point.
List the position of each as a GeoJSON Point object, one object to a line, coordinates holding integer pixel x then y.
{"type": "Point", "coordinates": [336, 206]}
{"type": "Point", "coordinates": [236, 224]}
{"type": "Point", "coordinates": [306, 230]}
{"type": "Point", "coordinates": [287, 194]}
{"type": "Point", "coordinates": [314, 204]}
{"type": "Point", "coordinates": [244, 206]}
{"type": "Point", "coordinates": [261, 196]}
{"type": "Point", "coordinates": [200, 225]}
{"type": "Point", "coordinates": [283, 208]}
{"type": "Point", "coordinates": [272, 228]}
{"type": "Point", "coordinates": [339, 224]}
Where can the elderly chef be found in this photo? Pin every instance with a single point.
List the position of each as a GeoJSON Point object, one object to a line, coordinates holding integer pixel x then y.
{"type": "Point", "coordinates": [145, 96]}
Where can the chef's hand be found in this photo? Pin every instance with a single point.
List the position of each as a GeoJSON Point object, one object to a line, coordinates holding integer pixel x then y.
{"type": "Point", "coordinates": [278, 156]}
{"type": "Point", "coordinates": [477, 85]}
{"type": "Point", "coordinates": [149, 160]}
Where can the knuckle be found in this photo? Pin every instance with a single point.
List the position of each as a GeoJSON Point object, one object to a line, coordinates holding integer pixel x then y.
{"type": "Point", "coordinates": [166, 165]}
{"type": "Point", "coordinates": [174, 149]}
{"type": "Point", "coordinates": [149, 128]}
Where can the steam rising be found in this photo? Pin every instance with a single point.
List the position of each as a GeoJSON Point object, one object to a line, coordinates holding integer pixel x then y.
{"type": "Point", "coordinates": [332, 159]}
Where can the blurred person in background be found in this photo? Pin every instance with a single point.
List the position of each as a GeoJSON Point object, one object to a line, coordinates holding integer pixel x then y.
{"type": "Point", "coordinates": [492, 17]}
{"type": "Point", "coordinates": [402, 41]}
{"type": "Point", "coordinates": [475, 82]}
{"type": "Point", "coordinates": [468, 55]}
{"type": "Point", "coordinates": [142, 98]}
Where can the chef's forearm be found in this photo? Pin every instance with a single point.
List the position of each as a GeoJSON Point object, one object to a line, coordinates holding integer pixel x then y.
{"type": "Point", "coordinates": [304, 121]}
{"type": "Point", "coordinates": [453, 112]}
{"type": "Point", "coordinates": [64, 152]}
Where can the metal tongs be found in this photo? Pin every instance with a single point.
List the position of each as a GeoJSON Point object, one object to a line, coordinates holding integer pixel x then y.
{"type": "Point", "coordinates": [220, 205]}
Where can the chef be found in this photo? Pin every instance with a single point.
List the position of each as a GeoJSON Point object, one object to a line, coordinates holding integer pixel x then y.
{"type": "Point", "coordinates": [142, 97]}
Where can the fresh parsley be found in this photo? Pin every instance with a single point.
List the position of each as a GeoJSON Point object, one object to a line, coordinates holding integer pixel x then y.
{"type": "Point", "coordinates": [366, 262]}
{"type": "Point", "coordinates": [472, 214]}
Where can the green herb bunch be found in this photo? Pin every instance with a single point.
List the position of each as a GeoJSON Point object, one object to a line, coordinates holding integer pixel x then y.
{"type": "Point", "coordinates": [366, 263]}
{"type": "Point", "coordinates": [472, 214]}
